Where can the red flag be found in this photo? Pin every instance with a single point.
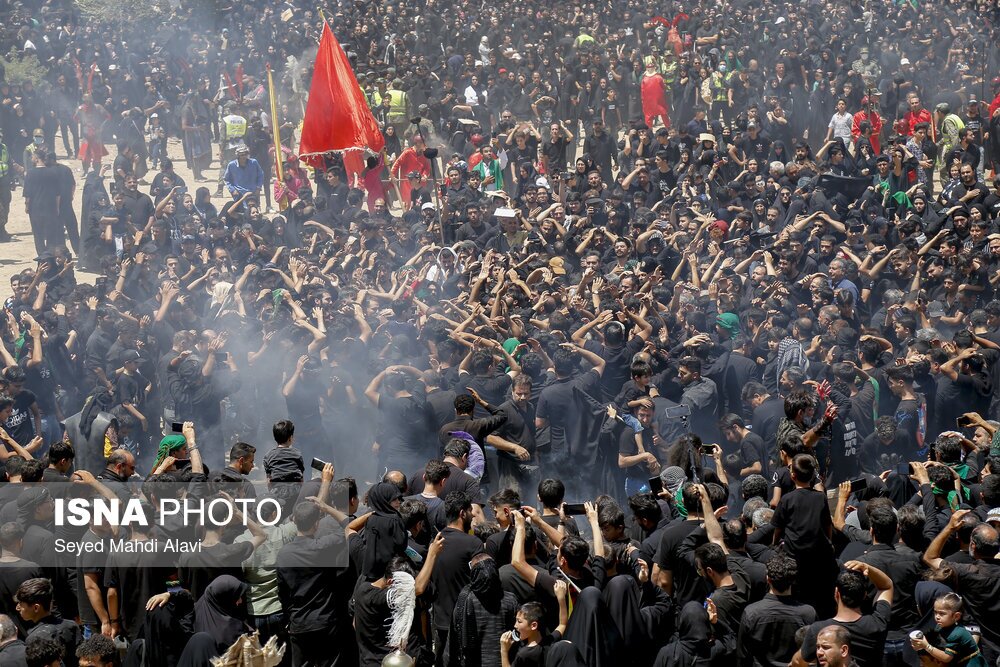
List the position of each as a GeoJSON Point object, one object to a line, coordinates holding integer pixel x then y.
{"type": "Point", "coordinates": [337, 115]}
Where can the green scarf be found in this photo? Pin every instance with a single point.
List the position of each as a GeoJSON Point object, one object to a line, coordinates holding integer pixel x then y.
{"type": "Point", "coordinates": [169, 444]}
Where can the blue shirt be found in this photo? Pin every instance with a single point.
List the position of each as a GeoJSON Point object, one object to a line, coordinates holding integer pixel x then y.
{"type": "Point", "coordinates": [249, 178]}
{"type": "Point", "coordinates": [850, 287]}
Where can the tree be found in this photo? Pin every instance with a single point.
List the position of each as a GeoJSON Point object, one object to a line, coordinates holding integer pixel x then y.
{"type": "Point", "coordinates": [125, 13]}
{"type": "Point", "coordinates": [21, 67]}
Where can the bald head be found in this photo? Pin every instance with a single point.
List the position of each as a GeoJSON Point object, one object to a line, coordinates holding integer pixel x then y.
{"type": "Point", "coordinates": [985, 542]}
{"type": "Point", "coordinates": [396, 478]}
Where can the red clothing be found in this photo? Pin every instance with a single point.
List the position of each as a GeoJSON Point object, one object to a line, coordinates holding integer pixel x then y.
{"type": "Point", "coordinates": [876, 122]}
{"type": "Point", "coordinates": [409, 160]}
{"type": "Point", "coordinates": [287, 192]}
{"type": "Point", "coordinates": [654, 101]}
{"type": "Point", "coordinates": [994, 105]}
{"type": "Point", "coordinates": [91, 118]}
{"type": "Point", "coordinates": [910, 120]}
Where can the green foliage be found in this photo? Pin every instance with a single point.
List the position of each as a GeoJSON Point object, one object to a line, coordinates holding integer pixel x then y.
{"type": "Point", "coordinates": [23, 67]}
{"type": "Point", "coordinates": [119, 13]}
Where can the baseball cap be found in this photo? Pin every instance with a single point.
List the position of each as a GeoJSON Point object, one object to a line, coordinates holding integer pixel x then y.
{"type": "Point", "coordinates": [130, 355]}
{"type": "Point", "coordinates": [993, 516]}
{"type": "Point", "coordinates": [427, 206]}
{"type": "Point", "coordinates": [935, 309]}
{"type": "Point", "coordinates": [558, 266]}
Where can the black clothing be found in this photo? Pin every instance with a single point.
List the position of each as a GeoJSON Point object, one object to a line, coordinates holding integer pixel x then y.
{"type": "Point", "coordinates": [767, 631]}
{"type": "Point", "coordinates": [867, 636]}
{"type": "Point", "coordinates": [451, 573]}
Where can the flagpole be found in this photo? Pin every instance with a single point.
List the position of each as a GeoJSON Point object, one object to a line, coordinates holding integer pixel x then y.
{"type": "Point", "coordinates": [277, 139]}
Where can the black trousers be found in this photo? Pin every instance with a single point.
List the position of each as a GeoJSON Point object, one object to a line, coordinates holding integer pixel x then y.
{"type": "Point", "coordinates": [319, 648]}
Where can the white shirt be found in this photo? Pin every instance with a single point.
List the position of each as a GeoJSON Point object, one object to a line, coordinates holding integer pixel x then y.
{"type": "Point", "coordinates": [472, 97]}
{"type": "Point", "coordinates": [841, 124]}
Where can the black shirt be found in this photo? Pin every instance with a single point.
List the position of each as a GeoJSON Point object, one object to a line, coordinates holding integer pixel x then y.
{"type": "Point", "coordinates": [616, 363]}
{"type": "Point", "coordinates": [21, 423]}
{"type": "Point", "coordinates": [979, 585]}
{"type": "Point", "coordinates": [752, 450]}
{"type": "Point", "coordinates": [766, 417]}
{"type": "Point", "coordinates": [458, 480]}
{"type": "Point", "coordinates": [555, 403]}
{"type": "Point", "coordinates": [767, 631]}
{"type": "Point", "coordinates": [309, 593]}
{"type": "Point", "coordinates": [903, 566]}
{"type": "Point", "coordinates": [867, 636]}
{"type": "Point", "coordinates": [804, 516]}
{"type": "Point", "coordinates": [687, 585]}
{"type": "Point", "coordinates": [451, 572]}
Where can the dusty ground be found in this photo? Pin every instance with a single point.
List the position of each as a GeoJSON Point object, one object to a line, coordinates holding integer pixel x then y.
{"type": "Point", "coordinates": [20, 253]}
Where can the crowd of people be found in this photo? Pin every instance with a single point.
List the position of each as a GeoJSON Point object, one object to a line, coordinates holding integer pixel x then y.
{"type": "Point", "coordinates": [655, 329]}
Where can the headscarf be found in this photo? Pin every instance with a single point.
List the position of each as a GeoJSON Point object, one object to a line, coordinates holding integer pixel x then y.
{"type": "Point", "coordinates": [693, 643]}
{"type": "Point", "coordinates": [623, 601]}
{"type": "Point", "coordinates": [385, 533]}
{"type": "Point", "coordinates": [100, 402]}
{"type": "Point", "coordinates": [485, 583]}
{"type": "Point", "coordinates": [220, 294]}
{"type": "Point", "coordinates": [170, 443]}
{"type": "Point", "coordinates": [199, 651]}
{"type": "Point", "coordinates": [219, 614]}
{"type": "Point", "coordinates": [730, 322]}
{"type": "Point", "coordinates": [28, 500]}
{"type": "Point", "coordinates": [593, 631]}
{"type": "Point", "coordinates": [168, 629]}
{"type": "Point", "coordinates": [564, 654]}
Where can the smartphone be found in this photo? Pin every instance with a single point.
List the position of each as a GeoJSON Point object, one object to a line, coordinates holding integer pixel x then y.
{"type": "Point", "coordinates": [904, 468]}
{"type": "Point", "coordinates": [101, 283]}
{"type": "Point", "coordinates": [177, 427]}
{"type": "Point", "coordinates": [963, 422]}
{"type": "Point", "coordinates": [859, 484]}
{"type": "Point", "coordinates": [574, 509]}
{"type": "Point", "coordinates": [222, 357]}
{"type": "Point", "coordinates": [317, 464]}
{"type": "Point", "coordinates": [656, 485]}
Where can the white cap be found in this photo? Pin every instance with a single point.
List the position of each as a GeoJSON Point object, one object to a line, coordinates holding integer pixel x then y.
{"type": "Point", "coordinates": [427, 206]}
{"type": "Point", "coordinates": [904, 61]}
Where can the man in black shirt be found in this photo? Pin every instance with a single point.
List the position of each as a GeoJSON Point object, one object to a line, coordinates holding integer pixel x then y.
{"type": "Point", "coordinates": [752, 450]}
{"type": "Point", "coordinates": [515, 439]}
{"type": "Point", "coordinates": [802, 519]}
{"type": "Point", "coordinates": [42, 194]}
{"type": "Point", "coordinates": [601, 147]}
{"type": "Point", "coordinates": [308, 572]}
{"type": "Point", "coordinates": [903, 567]}
{"type": "Point", "coordinates": [479, 429]}
{"type": "Point", "coordinates": [673, 573]}
{"type": "Point", "coordinates": [768, 411]}
{"type": "Point", "coordinates": [867, 631]}
{"type": "Point", "coordinates": [25, 419]}
{"type": "Point", "coordinates": [731, 586]}
{"type": "Point", "coordinates": [767, 629]}
{"type": "Point", "coordinates": [34, 604]}
{"type": "Point", "coordinates": [451, 573]}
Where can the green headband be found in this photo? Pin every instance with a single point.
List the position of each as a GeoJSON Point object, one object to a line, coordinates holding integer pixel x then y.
{"type": "Point", "coordinates": [171, 443]}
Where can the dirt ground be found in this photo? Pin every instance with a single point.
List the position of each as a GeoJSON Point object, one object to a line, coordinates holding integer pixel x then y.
{"type": "Point", "coordinates": [19, 254]}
